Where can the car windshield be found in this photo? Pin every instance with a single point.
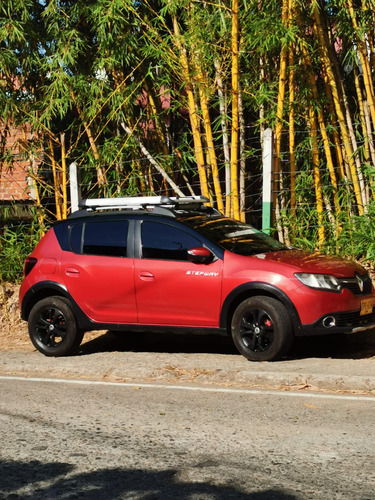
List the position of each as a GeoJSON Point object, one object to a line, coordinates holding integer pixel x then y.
{"type": "Point", "coordinates": [235, 236]}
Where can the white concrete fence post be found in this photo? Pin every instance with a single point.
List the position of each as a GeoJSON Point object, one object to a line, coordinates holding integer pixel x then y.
{"type": "Point", "coordinates": [267, 160]}
{"type": "Point", "coordinates": [75, 187]}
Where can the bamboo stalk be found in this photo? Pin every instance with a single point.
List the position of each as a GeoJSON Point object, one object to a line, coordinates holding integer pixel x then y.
{"type": "Point", "coordinates": [316, 173]}
{"type": "Point", "coordinates": [242, 158]}
{"type": "Point", "coordinates": [192, 108]}
{"type": "Point", "coordinates": [335, 135]}
{"type": "Point", "coordinates": [365, 133]}
{"type": "Point", "coordinates": [224, 130]}
{"type": "Point", "coordinates": [56, 185]}
{"type": "Point", "coordinates": [362, 53]}
{"type": "Point", "coordinates": [279, 119]}
{"type": "Point", "coordinates": [292, 158]}
{"type": "Point", "coordinates": [64, 212]}
{"type": "Point", "coordinates": [323, 129]}
{"type": "Point", "coordinates": [210, 140]}
{"type": "Point", "coordinates": [327, 68]}
{"type": "Point", "coordinates": [235, 207]}
{"type": "Point", "coordinates": [368, 127]}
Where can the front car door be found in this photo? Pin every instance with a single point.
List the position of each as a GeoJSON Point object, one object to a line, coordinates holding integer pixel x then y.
{"type": "Point", "coordinates": [170, 290]}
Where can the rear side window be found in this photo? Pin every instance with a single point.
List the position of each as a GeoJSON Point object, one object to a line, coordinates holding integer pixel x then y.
{"type": "Point", "coordinates": [108, 238]}
{"type": "Point", "coordinates": [162, 241]}
{"type": "Point", "coordinates": [75, 237]}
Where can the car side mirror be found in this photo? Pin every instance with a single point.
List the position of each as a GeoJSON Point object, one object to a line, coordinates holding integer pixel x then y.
{"type": "Point", "coordinates": [200, 255]}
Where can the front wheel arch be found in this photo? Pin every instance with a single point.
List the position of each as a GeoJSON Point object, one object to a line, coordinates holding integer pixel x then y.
{"type": "Point", "coordinates": [255, 289]}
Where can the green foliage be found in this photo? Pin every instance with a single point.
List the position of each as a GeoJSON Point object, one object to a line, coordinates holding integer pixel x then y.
{"type": "Point", "coordinates": [357, 238]}
{"type": "Point", "coordinates": [352, 236]}
{"type": "Point", "coordinates": [17, 240]}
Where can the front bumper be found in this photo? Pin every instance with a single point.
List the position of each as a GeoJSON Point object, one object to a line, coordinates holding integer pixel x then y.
{"type": "Point", "coordinates": [342, 322]}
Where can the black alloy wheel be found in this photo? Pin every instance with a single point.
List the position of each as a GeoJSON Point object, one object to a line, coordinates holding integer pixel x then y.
{"type": "Point", "coordinates": [52, 327]}
{"type": "Point", "coordinates": [261, 329]}
{"type": "Point", "coordinates": [257, 330]}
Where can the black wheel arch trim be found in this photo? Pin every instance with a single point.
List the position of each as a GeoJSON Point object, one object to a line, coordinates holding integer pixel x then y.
{"type": "Point", "coordinates": [45, 289]}
{"type": "Point", "coordinates": [247, 290]}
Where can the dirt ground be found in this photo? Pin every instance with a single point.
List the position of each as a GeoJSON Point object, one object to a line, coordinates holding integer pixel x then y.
{"type": "Point", "coordinates": [13, 330]}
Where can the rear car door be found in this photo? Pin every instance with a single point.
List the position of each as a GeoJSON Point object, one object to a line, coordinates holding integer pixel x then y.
{"type": "Point", "coordinates": [170, 290]}
{"type": "Point", "coordinates": [97, 272]}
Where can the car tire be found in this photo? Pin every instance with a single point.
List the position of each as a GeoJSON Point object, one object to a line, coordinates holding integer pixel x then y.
{"type": "Point", "coordinates": [261, 329]}
{"type": "Point", "coordinates": [52, 327]}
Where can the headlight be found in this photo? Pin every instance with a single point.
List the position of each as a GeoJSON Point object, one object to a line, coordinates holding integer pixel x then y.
{"type": "Point", "coordinates": [319, 281]}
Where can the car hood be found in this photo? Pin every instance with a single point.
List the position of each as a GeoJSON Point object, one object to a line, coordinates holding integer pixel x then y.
{"type": "Point", "coordinates": [307, 262]}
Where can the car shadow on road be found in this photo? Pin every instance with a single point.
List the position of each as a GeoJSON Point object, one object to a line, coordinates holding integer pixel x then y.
{"type": "Point", "coordinates": [356, 346]}
{"type": "Point", "coordinates": [160, 342]}
{"type": "Point", "coordinates": [34, 479]}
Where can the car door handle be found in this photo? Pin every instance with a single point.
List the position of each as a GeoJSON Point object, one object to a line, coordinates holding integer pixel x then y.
{"type": "Point", "coordinates": [146, 276]}
{"type": "Point", "coordinates": [71, 271]}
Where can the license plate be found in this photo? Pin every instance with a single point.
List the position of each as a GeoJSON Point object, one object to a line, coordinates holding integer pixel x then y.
{"type": "Point", "coordinates": [366, 306]}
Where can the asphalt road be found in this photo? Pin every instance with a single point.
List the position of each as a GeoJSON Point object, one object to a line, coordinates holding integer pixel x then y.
{"type": "Point", "coordinates": [64, 440]}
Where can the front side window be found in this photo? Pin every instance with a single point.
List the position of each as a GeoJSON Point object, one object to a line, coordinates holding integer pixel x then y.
{"type": "Point", "coordinates": [107, 238]}
{"type": "Point", "coordinates": [162, 241]}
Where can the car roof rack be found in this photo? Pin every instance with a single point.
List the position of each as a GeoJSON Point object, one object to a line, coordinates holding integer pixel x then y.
{"type": "Point", "coordinates": [141, 202]}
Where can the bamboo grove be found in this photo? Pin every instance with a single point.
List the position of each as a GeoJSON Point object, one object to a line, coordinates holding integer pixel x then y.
{"type": "Point", "coordinates": [173, 97]}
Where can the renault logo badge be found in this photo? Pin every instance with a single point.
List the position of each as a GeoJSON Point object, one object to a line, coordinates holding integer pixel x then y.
{"type": "Point", "coordinates": [360, 282]}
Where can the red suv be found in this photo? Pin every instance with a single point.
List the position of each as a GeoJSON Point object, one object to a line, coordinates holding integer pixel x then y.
{"type": "Point", "coordinates": [173, 264]}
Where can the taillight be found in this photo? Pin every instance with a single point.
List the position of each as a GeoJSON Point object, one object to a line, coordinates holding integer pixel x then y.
{"type": "Point", "coordinates": [29, 264]}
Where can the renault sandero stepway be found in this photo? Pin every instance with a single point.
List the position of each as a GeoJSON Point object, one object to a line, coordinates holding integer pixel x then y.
{"type": "Point", "coordinates": [165, 264]}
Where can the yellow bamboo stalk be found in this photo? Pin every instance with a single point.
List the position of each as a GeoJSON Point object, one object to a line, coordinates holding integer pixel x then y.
{"type": "Point", "coordinates": [56, 184]}
{"type": "Point", "coordinates": [242, 157]}
{"type": "Point", "coordinates": [327, 68]}
{"type": "Point", "coordinates": [235, 206]}
{"type": "Point", "coordinates": [370, 38]}
{"type": "Point", "coordinates": [368, 7]}
{"type": "Point", "coordinates": [316, 173]}
{"type": "Point", "coordinates": [365, 132]}
{"type": "Point", "coordinates": [362, 52]}
{"type": "Point", "coordinates": [279, 117]}
{"type": "Point", "coordinates": [64, 213]}
{"type": "Point", "coordinates": [323, 129]}
{"type": "Point", "coordinates": [292, 158]}
{"type": "Point", "coordinates": [224, 129]}
{"type": "Point", "coordinates": [192, 108]}
{"type": "Point", "coordinates": [155, 113]}
{"type": "Point", "coordinates": [335, 134]}
{"type": "Point", "coordinates": [209, 138]}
